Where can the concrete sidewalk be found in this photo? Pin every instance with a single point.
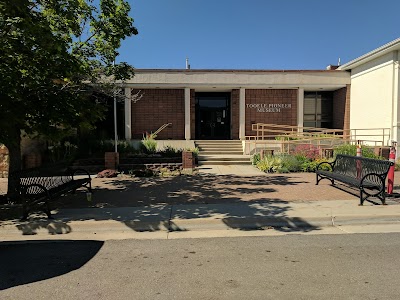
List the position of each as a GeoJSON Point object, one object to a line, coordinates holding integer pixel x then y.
{"type": "Point", "coordinates": [220, 201]}
{"type": "Point", "coordinates": [204, 220]}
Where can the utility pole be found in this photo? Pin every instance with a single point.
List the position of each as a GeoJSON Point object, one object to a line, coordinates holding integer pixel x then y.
{"type": "Point", "coordinates": [115, 113]}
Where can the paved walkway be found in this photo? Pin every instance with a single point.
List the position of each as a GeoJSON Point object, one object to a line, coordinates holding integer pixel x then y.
{"type": "Point", "coordinates": [219, 200]}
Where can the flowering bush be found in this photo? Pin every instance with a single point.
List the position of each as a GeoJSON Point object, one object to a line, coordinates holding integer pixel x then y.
{"type": "Point", "coordinates": [308, 151]}
{"type": "Point", "coordinates": [107, 174]}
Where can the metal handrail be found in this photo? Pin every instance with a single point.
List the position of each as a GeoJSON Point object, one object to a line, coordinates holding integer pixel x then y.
{"type": "Point", "coordinates": [162, 127]}
{"type": "Point", "coordinates": [266, 134]}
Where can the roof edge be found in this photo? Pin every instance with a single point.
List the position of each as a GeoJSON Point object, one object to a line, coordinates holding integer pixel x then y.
{"type": "Point", "coordinates": [231, 70]}
{"type": "Point", "coordinates": [370, 55]}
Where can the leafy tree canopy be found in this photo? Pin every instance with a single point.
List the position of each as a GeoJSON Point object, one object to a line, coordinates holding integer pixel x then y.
{"type": "Point", "coordinates": [52, 54]}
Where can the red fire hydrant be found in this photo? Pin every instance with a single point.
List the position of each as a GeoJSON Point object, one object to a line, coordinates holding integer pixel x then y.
{"type": "Point", "coordinates": [392, 158]}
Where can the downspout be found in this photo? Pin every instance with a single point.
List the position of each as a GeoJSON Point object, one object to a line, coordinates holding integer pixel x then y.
{"type": "Point", "coordinates": [395, 92]}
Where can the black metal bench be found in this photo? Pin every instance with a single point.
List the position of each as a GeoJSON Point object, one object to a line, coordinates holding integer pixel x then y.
{"type": "Point", "coordinates": [39, 186]}
{"type": "Point", "coordinates": [366, 174]}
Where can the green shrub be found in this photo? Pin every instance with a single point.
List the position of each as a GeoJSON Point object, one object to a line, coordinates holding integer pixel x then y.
{"type": "Point", "coordinates": [124, 147]}
{"type": "Point", "coordinates": [290, 163]}
{"type": "Point", "coordinates": [255, 158]}
{"type": "Point", "coordinates": [348, 149]}
{"type": "Point", "coordinates": [195, 151]}
{"type": "Point", "coordinates": [269, 164]}
{"type": "Point", "coordinates": [169, 151]}
{"type": "Point", "coordinates": [279, 164]}
{"type": "Point", "coordinates": [148, 145]}
{"type": "Point", "coordinates": [310, 166]}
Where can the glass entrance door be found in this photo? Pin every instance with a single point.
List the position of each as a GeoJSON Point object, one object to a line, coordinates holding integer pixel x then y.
{"type": "Point", "coordinates": [213, 116]}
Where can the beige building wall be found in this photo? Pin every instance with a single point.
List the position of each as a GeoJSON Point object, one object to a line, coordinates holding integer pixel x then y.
{"type": "Point", "coordinates": [373, 103]}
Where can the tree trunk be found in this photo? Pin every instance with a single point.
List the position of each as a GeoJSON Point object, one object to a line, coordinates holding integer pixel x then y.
{"type": "Point", "coordinates": [13, 144]}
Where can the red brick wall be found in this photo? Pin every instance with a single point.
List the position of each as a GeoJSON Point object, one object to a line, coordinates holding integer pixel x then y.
{"type": "Point", "coordinates": [158, 107]}
{"type": "Point", "coordinates": [111, 160]}
{"type": "Point", "coordinates": [341, 108]}
{"type": "Point", "coordinates": [188, 160]}
{"type": "Point", "coordinates": [286, 116]}
{"type": "Point", "coordinates": [235, 114]}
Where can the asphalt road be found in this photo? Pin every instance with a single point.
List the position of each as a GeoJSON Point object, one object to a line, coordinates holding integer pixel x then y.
{"type": "Point", "coordinates": [355, 266]}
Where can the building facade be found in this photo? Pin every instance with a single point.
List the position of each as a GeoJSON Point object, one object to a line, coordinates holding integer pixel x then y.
{"type": "Point", "coordinates": [375, 94]}
{"type": "Point", "coordinates": [223, 104]}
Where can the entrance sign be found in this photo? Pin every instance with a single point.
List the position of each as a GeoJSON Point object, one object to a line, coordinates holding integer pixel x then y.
{"type": "Point", "coordinates": [269, 107]}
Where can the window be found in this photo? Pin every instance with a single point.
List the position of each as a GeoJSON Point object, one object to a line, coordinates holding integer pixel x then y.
{"type": "Point", "coordinates": [318, 109]}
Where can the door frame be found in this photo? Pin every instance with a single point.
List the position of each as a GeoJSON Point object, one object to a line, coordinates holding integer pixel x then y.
{"type": "Point", "coordinates": [198, 109]}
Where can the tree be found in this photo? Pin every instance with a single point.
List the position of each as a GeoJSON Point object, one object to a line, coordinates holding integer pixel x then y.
{"type": "Point", "coordinates": [53, 54]}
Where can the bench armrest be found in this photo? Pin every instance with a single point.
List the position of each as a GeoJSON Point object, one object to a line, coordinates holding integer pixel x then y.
{"type": "Point", "coordinates": [373, 178]}
{"type": "Point", "coordinates": [73, 173]}
{"type": "Point", "coordinates": [378, 180]}
{"type": "Point", "coordinates": [331, 164]}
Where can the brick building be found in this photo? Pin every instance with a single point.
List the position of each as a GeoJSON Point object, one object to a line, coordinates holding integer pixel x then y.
{"type": "Point", "coordinates": [223, 104]}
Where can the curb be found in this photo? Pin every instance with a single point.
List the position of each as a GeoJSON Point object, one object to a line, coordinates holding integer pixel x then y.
{"type": "Point", "coordinates": [59, 228]}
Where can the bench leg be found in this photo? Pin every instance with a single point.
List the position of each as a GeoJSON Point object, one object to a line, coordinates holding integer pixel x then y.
{"type": "Point", "coordinates": [90, 187]}
{"type": "Point", "coordinates": [47, 209]}
{"type": "Point", "coordinates": [362, 198]}
{"type": "Point", "coordinates": [25, 213]}
{"type": "Point", "coordinates": [319, 178]}
{"type": "Point", "coordinates": [382, 198]}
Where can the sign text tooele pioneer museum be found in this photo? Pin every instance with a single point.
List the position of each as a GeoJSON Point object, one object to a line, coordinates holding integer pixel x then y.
{"type": "Point", "coordinates": [269, 107]}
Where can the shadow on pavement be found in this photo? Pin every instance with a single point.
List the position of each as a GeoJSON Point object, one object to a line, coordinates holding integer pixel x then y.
{"type": "Point", "coordinates": [27, 262]}
{"type": "Point", "coordinates": [146, 204]}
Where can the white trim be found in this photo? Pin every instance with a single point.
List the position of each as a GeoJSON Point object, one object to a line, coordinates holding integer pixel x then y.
{"type": "Point", "coordinates": [388, 63]}
{"type": "Point", "coordinates": [222, 87]}
{"type": "Point", "coordinates": [300, 107]}
{"type": "Point", "coordinates": [396, 96]}
{"type": "Point", "coordinates": [242, 113]}
{"type": "Point", "coordinates": [187, 113]}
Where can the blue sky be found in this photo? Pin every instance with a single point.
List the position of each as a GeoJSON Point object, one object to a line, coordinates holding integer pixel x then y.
{"type": "Point", "coordinates": [257, 34]}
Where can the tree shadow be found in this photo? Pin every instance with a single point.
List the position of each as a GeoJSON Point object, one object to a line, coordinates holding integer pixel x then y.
{"type": "Point", "coordinates": [52, 227]}
{"type": "Point", "coordinates": [27, 262]}
{"type": "Point", "coordinates": [153, 204]}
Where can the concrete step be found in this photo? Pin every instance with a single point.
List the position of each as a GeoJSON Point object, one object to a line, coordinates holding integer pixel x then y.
{"type": "Point", "coordinates": [229, 152]}
{"type": "Point", "coordinates": [220, 148]}
{"type": "Point", "coordinates": [219, 143]}
{"type": "Point", "coordinates": [228, 146]}
{"type": "Point", "coordinates": [222, 162]}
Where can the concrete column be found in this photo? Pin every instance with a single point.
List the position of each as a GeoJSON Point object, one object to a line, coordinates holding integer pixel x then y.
{"type": "Point", "coordinates": [128, 114]}
{"type": "Point", "coordinates": [300, 107]}
{"type": "Point", "coordinates": [242, 113]}
{"type": "Point", "coordinates": [187, 113]}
